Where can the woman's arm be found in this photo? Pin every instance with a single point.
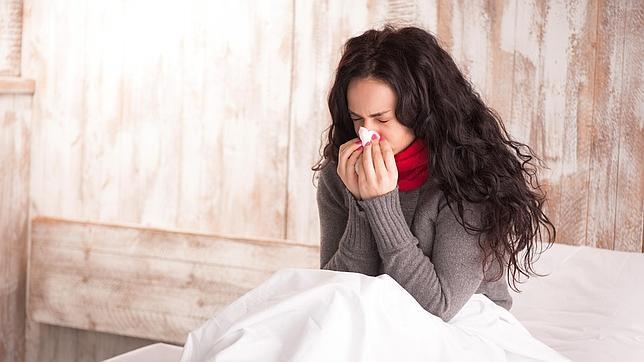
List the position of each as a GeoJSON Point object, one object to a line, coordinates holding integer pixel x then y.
{"type": "Point", "coordinates": [346, 241]}
{"type": "Point", "coordinates": [441, 285]}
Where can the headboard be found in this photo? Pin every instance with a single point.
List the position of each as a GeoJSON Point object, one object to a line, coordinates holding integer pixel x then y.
{"type": "Point", "coordinates": [141, 282]}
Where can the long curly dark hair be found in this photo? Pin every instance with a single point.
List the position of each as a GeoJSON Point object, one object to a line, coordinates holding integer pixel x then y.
{"type": "Point", "coordinates": [471, 156]}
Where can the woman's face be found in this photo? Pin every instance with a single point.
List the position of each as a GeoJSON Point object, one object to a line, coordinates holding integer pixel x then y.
{"type": "Point", "coordinates": [372, 104]}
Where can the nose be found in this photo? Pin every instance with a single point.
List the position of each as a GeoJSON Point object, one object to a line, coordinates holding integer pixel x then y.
{"type": "Point", "coordinates": [370, 123]}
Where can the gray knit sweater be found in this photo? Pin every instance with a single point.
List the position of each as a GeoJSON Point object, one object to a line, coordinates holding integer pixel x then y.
{"type": "Point", "coordinates": [412, 236]}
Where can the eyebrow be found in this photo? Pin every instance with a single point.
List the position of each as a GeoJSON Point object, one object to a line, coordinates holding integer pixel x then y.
{"type": "Point", "coordinates": [372, 115]}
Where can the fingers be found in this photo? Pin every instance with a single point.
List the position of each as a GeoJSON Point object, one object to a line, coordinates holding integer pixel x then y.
{"type": "Point", "coordinates": [388, 156]}
{"type": "Point", "coordinates": [362, 179]}
{"type": "Point", "coordinates": [378, 161]}
{"type": "Point", "coordinates": [345, 151]}
{"type": "Point", "coordinates": [348, 147]}
{"type": "Point", "coordinates": [351, 162]}
{"type": "Point", "coordinates": [367, 162]}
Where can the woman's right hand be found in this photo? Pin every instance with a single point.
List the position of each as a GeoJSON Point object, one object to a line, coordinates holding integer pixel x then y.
{"type": "Point", "coordinates": [347, 157]}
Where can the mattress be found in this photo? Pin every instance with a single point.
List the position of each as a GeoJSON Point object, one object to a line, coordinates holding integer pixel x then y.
{"type": "Point", "coordinates": [590, 306]}
{"type": "Point", "coordinates": [157, 352]}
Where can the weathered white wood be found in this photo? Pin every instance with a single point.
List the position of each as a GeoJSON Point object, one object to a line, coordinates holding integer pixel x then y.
{"type": "Point", "coordinates": [142, 282]}
{"type": "Point", "coordinates": [15, 131]}
{"type": "Point", "coordinates": [552, 103]}
{"type": "Point", "coordinates": [10, 36]}
{"type": "Point", "coordinates": [608, 97]}
{"type": "Point", "coordinates": [629, 233]}
{"type": "Point", "coordinates": [529, 84]}
{"type": "Point", "coordinates": [575, 152]}
{"type": "Point", "coordinates": [178, 121]}
{"type": "Point", "coordinates": [175, 118]}
{"type": "Point", "coordinates": [16, 85]}
{"type": "Point", "coordinates": [488, 41]}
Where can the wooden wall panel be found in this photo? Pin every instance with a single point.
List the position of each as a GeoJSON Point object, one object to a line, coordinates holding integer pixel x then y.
{"type": "Point", "coordinates": [612, 117]}
{"type": "Point", "coordinates": [629, 233]}
{"type": "Point", "coordinates": [10, 35]}
{"type": "Point", "coordinates": [576, 121]}
{"type": "Point", "coordinates": [478, 35]}
{"type": "Point", "coordinates": [175, 117]}
{"type": "Point", "coordinates": [15, 129]}
{"type": "Point", "coordinates": [180, 120]}
{"type": "Point", "coordinates": [605, 132]}
{"type": "Point", "coordinates": [554, 65]}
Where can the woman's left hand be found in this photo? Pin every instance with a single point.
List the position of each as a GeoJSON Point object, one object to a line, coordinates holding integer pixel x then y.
{"type": "Point", "coordinates": [377, 171]}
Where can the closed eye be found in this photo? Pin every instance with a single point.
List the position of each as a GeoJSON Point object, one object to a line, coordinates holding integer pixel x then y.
{"type": "Point", "coordinates": [379, 120]}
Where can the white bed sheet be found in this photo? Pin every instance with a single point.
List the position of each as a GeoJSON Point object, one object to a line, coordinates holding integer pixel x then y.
{"type": "Point", "coordinates": [589, 308]}
{"type": "Point", "coordinates": [321, 315]}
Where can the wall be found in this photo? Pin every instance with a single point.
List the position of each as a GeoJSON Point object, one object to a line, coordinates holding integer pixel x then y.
{"type": "Point", "coordinates": [14, 206]}
{"type": "Point", "coordinates": [15, 110]}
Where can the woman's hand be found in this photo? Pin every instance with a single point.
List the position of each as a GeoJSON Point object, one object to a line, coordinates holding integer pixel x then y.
{"type": "Point", "coordinates": [377, 171]}
{"type": "Point", "coordinates": [347, 157]}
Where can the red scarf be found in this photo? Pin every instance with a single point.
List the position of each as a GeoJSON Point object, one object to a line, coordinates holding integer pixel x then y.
{"type": "Point", "coordinates": [412, 165]}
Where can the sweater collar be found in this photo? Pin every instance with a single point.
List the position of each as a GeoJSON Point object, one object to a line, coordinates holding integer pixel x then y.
{"type": "Point", "coordinates": [412, 165]}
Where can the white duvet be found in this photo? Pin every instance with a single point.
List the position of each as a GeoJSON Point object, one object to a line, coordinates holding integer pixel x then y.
{"type": "Point", "coordinates": [321, 315]}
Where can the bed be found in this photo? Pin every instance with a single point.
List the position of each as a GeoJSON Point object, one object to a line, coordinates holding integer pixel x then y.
{"type": "Point", "coordinates": [589, 308]}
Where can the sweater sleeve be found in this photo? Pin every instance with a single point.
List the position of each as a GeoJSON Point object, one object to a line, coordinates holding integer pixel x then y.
{"type": "Point", "coordinates": [346, 241]}
{"type": "Point", "coordinates": [442, 284]}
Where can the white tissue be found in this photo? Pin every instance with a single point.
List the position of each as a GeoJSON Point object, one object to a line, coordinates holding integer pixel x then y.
{"type": "Point", "coordinates": [365, 135]}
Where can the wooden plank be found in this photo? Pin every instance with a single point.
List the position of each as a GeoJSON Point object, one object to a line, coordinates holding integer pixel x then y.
{"type": "Point", "coordinates": [479, 37]}
{"type": "Point", "coordinates": [10, 37]}
{"type": "Point", "coordinates": [141, 282]}
{"type": "Point", "coordinates": [602, 188]}
{"type": "Point", "coordinates": [15, 130]}
{"type": "Point", "coordinates": [552, 103]}
{"type": "Point", "coordinates": [445, 16]}
{"type": "Point", "coordinates": [629, 212]}
{"type": "Point", "coordinates": [499, 29]}
{"type": "Point", "coordinates": [581, 22]}
{"type": "Point", "coordinates": [235, 135]}
{"type": "Point", "coordinates": [16, 85]}
{"type": "Point", "coordinates": [564, 99]}
{"type": "Point", "coordinates": [527, 108]}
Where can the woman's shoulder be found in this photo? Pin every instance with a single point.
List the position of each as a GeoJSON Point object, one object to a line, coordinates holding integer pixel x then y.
{"type": "Point", "coordinates": [329, 181]}
{"type": "Point", "coordinates": [329, 174]}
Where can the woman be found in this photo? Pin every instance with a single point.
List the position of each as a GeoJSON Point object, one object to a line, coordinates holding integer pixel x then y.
{"type": "Point", "coordinates": [444, 201]}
